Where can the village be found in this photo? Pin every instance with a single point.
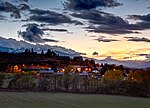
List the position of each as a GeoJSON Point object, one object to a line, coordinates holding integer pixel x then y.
{"type": "Point", "coordinates": [53, 64]}
{"type": "Point", "coordinates": [32, 71]}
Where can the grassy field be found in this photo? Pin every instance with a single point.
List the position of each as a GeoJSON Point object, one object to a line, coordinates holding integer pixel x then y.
{"type": "Point", "coordinates": [62, 100]}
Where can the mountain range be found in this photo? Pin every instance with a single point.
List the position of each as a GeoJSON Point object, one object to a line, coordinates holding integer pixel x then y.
{"type": "Point", "coordinates": [12, 45]}
{"type": "Point", "coordinates": [128, 63]}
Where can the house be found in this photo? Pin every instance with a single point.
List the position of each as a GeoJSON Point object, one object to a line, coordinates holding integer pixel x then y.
{"type": "Point", "coordinates": [46, 72]}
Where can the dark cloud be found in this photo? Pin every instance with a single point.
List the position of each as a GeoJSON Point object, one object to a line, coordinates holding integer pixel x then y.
{"type": "Point", "coordinates": [14, 10]}
{"type": "Point", "coordinates": [50, 40]}
{"type": "Point", "coordinates": [57, 30]}
{"type": "Point", "coordinates": [77, 22]}
{"type": "Point", "coordinates": [147, 56]}
{"type": "Point", "coordinates": [19, 0]}
{"type": "Point", "coordinates": [93, 16]}
{"type": "Point", "coordinates": [101, 22]}
{"type": "Point", "coordinates": [32, 34]}
{"type": "Point", "coordinates": [43, 12]}
{"type": "Point", "coordinates": [30, 24]}
{"type": "Point", "coordinates": [8, 7]}
{"type": "Point", "coordinates": [2, 17]}
{"type": "Point", "coordinates": [103, 39]}
{"type": "Point", "coordinates": [50, 17]}
{"type": "Point", "coordinates": [143, 24]}
{"type": "Point", "coordinates": [109, 29]}
{"type": "Point", "coordinates": [16, 14]}
{"type": "Point", "coordinates": [95, 53]}
{"type": "Point", "coordinates": [92, 36]}
{"type": "Point", "coordinates": [23, 7]}
{"type": "Point", "coordinates": [24, 0]}
{"type": "Point", "coordinates": [105, 23]}
{"type": "Point", "coordinates": [140, 17]}
{"type": "Point", "coordinates": [89, 4]}
{"type": "Point", "coordinates": [127, 57]}
{"type": "Point", "coordinates": [138, 39]}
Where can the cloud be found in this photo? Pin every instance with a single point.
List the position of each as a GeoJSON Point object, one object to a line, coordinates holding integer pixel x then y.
{"type": "Point", "coordinates": [50, 40]}
{"type": "Point", "coordinates": [32, 34]}
{"type": "Point", "coordinates": [7, 7]}
{"type": "Point", "coordinates": [19, 0]}
{"type": "Point", "coordinates": [109, 29]}
{"type": "Point", "coordinates": [23, 7]}
{"type": "Point", "coordinates": [103, 39]}
{"type": "Point", "coordinates": [30, 24]}
{"type": "Point", "coordinates": [95, 53]}
{"type": "Point", "coordinates": [89, 4]}
{"type": "Point", "coordinates": [14, 10]}
{"type": "Point", "coordinates": [140, 17]}
{"type": "Point", "coordinates": [147, 56]}
{"type": "Point", "coordinates": [50, 17]}
{"type": "Point", "coordinates": [92, 36]}
{"type": "Point", "coordinates": [42, 12]}
{"type": "Point", "coordinates": [2, 17]}
{"type": "Point", "coordinates": [93, 16]}
{"type": "Point", "coordinates": [137, 39]}
{"type": "Point", "coordinates": [127, 58]}
{"type": "Point", "coordinates": [24, 0]}
{"type": "Point", "coordinates": [101, 22]}
{"type": "Point", "coordinates": [143, 24]}
{"type": "Point", "coordinates": [106, 40]}
{"type": "Point", "coordinates": [57, 30]}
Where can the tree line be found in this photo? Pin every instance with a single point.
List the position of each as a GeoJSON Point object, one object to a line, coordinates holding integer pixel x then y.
{"type": "Point", "coordinates": [137, 83]}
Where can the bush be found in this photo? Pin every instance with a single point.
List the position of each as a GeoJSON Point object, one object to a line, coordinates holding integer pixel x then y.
{"type": "Point", "coordinates": [2, 77]}
{"type": "Point", "coordinates": [43, 84]}
{"type": "Point", "coordinates": [125, 88]}
{"type": "Point", "coordinates": [24, 82]}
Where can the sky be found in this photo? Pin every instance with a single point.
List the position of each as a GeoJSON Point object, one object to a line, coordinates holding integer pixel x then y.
{"type": "Point", "coordinates": [100, 28]}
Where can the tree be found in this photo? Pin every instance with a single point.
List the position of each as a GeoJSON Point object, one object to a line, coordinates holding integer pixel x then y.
{"type": "Point", "coordinates": [26, 50]}
{"type": "Point", "coordinates": [67, 77]}
{"type": "Point", "coordinates": [32, 50]}
{"type": "Point", "coordinates": [43, 84]}
{"type": "Point", "coordinates": [139, 76]}
{"type": "Point", "coordinates": [50, 53]}
{"type": "Point", "coordinates": [27, 82]}
{"type": "Point", "coordinates": [75, 82]}
{"type": "Point", "coordinates": [42, 52]}
{"type": "Point", "coordinates": [3, 66]}
{"type": "Point", "coordinates": [78, 58]}
{"type": "Point", "coordinates": [2, 77]}
{"type": "Point", "coordinates": [113, 75]}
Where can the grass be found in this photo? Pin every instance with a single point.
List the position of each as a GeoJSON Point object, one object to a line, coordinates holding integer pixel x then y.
{"type": "Point", "coordinates": [62, 100]}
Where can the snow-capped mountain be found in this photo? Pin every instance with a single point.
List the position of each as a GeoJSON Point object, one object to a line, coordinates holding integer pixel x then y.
{"type": "Point", "coordinates": [11, 45]}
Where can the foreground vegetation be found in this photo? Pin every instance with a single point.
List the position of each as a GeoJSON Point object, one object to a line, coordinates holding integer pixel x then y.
{"type": "Point", "coordinates": [59, 100]}
{"type": "Point", "coordinates": [136, 84]}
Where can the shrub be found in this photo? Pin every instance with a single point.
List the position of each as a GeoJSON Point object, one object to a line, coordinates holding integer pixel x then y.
{"type": "Point", "coordinates": [2, 77]}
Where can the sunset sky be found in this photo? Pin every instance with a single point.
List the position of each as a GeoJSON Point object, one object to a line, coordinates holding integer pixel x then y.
{"type": "Point", "coordinates": [99, 28]}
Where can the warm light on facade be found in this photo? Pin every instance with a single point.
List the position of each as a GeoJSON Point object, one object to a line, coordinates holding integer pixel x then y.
{"type": "Point", "coordinates": [16, 68]}
{"type": "Point", "coordinates": [79, 69]}
{"type": "Point", "coordinates": [63, 70]}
